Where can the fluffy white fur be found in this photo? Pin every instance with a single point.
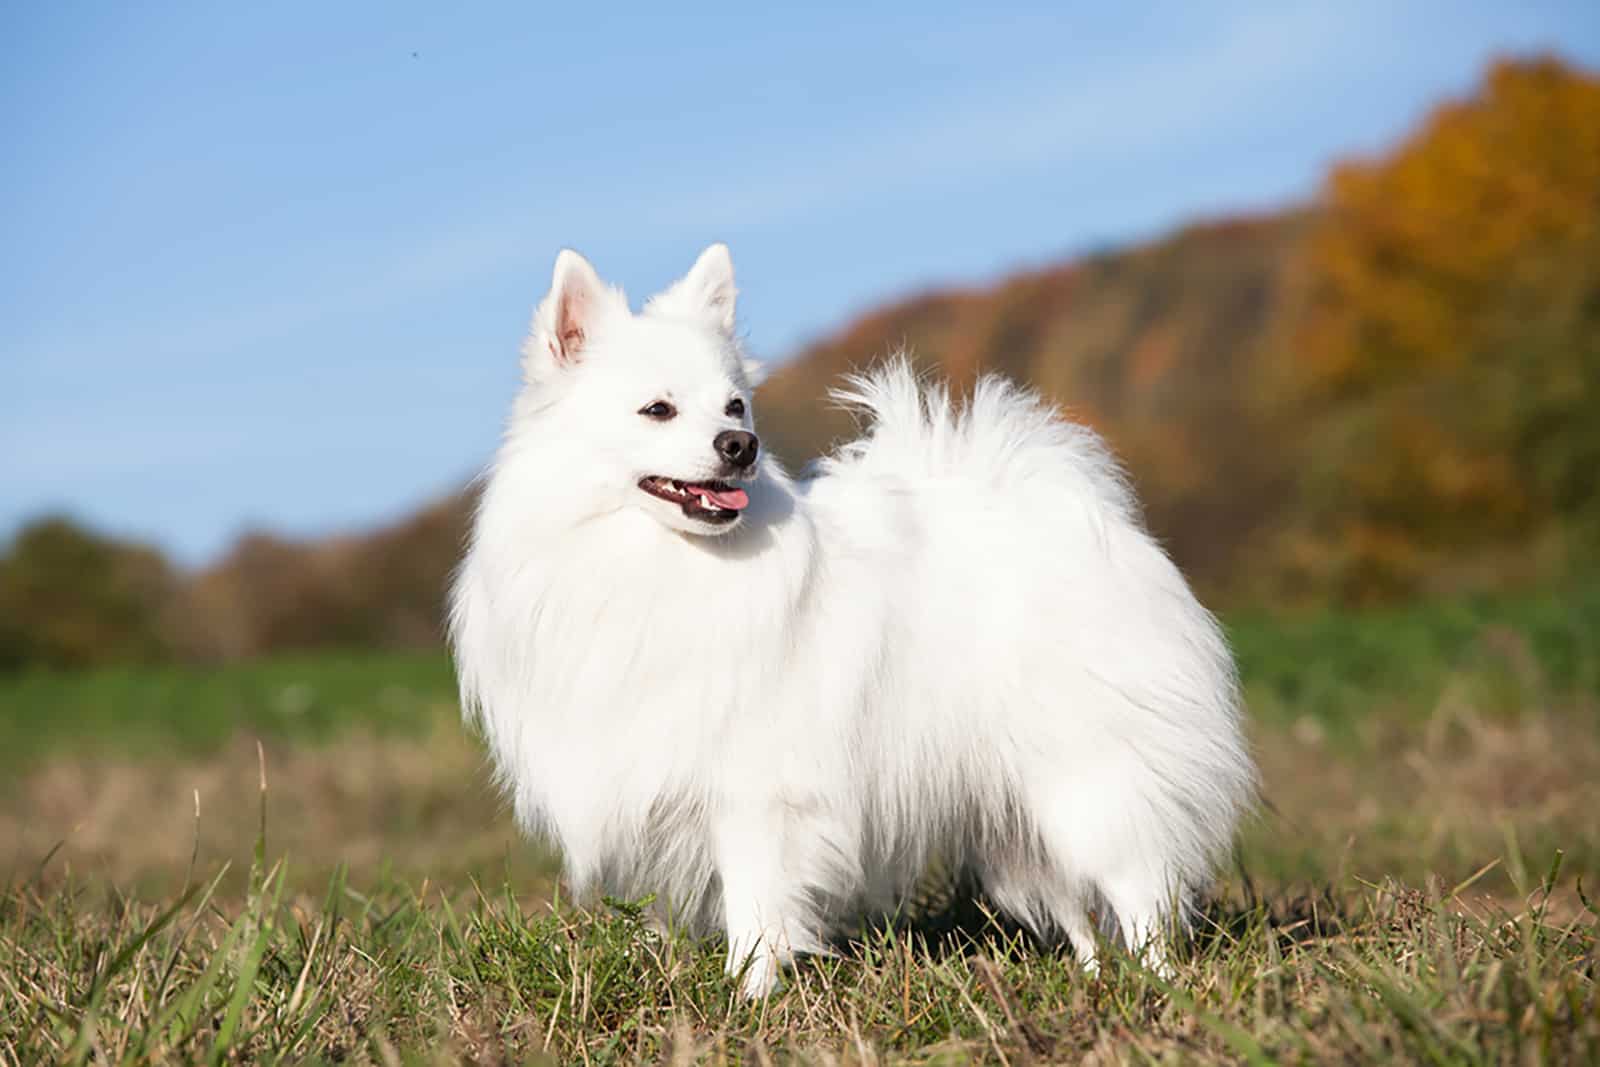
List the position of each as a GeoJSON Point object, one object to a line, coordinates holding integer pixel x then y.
{"type": "Point", "coordinates": [954, 640]}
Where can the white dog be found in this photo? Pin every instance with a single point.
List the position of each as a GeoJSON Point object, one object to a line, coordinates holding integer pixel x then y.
{"type": "Point", "coordinates": [772, 702]}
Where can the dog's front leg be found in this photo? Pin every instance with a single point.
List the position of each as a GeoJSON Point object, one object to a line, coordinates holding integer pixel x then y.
{"type": "Point", "coordinates": [749, 858]}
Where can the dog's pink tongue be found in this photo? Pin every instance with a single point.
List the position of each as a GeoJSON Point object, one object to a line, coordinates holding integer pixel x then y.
{"type": "Point", "coordinates": [731, 499]}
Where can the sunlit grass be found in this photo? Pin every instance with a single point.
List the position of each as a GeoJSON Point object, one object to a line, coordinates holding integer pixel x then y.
{"type": "Point", "coordinates": [1359, 973]}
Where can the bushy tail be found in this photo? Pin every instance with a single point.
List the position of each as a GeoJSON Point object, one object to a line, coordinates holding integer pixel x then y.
{"type": "Point", "coordinates": [1003, 434]}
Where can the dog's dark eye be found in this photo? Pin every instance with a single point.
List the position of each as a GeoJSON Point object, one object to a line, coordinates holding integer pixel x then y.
{"type": "Point", "coordinates": [659, 410]}
{"type": "Point", "coordinates": [735, 408]}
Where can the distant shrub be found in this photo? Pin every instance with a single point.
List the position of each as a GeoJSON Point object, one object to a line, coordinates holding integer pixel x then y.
{"type": "Point", "coordinates": [71, 598]}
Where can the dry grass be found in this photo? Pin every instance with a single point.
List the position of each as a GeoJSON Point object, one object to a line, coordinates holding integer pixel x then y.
{"type": "Point", "coordinates": [1441, 798]}
{"type": "Point", "coordinates": [412, 807]}
{"type": "Point", "coordinates": [1311, 951]}
{"type": "Point", "coordinates": [1397, 799]}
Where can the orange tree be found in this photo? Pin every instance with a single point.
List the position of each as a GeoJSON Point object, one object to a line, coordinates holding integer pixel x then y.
{"type": "Point", "coordinates": [1448, 357]}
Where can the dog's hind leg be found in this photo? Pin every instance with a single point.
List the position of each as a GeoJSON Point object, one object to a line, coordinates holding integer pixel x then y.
{"type": "Point", "coordinates": [1050, 903]}
{"type": "Point", "coordinates": [1043, 897]}
{"type": "Point", "coordinates": [1093, 862]}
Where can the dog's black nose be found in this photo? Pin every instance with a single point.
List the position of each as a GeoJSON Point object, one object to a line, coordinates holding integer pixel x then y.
{"type": "Point", "coordinates": [738, 447]}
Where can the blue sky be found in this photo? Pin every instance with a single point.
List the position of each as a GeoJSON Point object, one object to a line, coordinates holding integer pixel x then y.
{"type": "Point", "coordinates": [268, 265]}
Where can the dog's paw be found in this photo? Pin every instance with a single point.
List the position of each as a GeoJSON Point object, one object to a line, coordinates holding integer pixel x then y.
{"type": "Point", "coordinates": [760, 974]}
{"type": "Point", "coordinates": [757, 986]}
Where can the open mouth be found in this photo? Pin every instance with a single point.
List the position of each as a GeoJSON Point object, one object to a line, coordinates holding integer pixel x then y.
{"type": "Point", "coordinates": [706, 501]}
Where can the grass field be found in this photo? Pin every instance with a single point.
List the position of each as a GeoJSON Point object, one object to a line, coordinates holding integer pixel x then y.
{"type": "Point", "coordinates": [301, 860]}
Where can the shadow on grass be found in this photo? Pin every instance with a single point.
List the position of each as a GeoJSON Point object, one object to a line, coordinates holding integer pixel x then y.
{"type": "Point", "coordinates": [954, 918]}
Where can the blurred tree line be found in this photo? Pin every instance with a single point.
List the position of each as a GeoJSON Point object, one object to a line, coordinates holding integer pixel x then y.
{"type": "Point", "coordinates": [1389, 392]}
{"type": "Point", "coordinates": [70, 597]}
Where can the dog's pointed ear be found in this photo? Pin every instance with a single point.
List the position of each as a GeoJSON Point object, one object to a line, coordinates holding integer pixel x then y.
{"type": "Point", "coordinates": [566, 319]}
{"type": "Point", "coordinates": [707, 291]}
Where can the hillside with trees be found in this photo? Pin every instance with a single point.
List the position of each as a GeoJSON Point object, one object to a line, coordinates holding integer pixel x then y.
{"type": "Point", "coordinates": [1391, 392]}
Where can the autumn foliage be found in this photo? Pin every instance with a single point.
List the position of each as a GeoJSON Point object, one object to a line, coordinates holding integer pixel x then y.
{"type": "Point", "coordinates": [1447, 362]}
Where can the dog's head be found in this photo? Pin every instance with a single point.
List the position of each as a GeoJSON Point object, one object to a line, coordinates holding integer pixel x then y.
{"type": "Point", "coordinates": [657, 403]}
